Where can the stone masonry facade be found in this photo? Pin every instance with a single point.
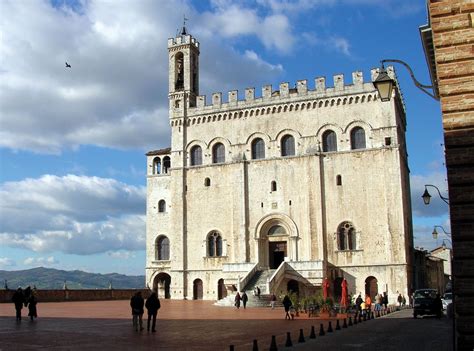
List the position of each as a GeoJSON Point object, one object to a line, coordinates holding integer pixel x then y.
{"type": "Point", "coordinates": [299, 184]}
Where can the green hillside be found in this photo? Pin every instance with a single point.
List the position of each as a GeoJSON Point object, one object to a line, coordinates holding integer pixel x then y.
{"type": "Point", "coordinates": [49, 278]}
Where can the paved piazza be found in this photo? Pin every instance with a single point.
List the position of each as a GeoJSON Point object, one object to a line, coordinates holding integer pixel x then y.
{"type": "Point", "coordinates": [198, 325]}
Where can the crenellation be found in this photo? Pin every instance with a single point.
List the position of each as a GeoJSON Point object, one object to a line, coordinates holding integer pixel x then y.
{"type": "Point", "coordinates": [267, 92]}
{"type": "Point", "coordinates": [233, 97]}
{"type": "Point", "coordinates": [357, 78]}
{"type": "Point", "coordinates": [249, 94]}
{"type": "Point", "coordinates": [284, 90]}
{"type": "Point", "coordinates": [338, 82]}
{"type": "Point", "coordinates": [216, 99]}
{"type": "Point", "coordinates": [302, 86]}
{"type": "Point", "coordinates": [201, 101]}
{"type": "Point", "coordinates": [320, 83]}
{"type": "Point", "coordinates": [183, 39]}
{"type": "Point", "coordinates": [374, 72]}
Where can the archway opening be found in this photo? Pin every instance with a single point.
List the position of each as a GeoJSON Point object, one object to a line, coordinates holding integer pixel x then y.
{"type": "Point", "coordinates": [221, 289]}
{"type": "Point", "coordinates": [277, 253]}
{"type": "Point", "coordinates": [337, 289]}
{"type": "Point", "coordinates": [293, 287]}
{"type": "Point", "coordinates": [371, 287]}
{"type": "Point", "coordinates": [197, 289]}
{"type": "Point", "coordinates": [161, 284]}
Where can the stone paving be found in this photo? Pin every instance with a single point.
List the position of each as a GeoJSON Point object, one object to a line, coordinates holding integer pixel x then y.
{"type": "Point", "coordinates": [181, 325]}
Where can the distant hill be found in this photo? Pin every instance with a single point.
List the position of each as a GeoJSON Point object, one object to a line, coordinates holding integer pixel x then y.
{"type": "Point", "coordinates": [49, 278]}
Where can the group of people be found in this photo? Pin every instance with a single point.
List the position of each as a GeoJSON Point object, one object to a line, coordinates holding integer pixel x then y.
{"type": "Point", "coordinates": [152, 305]}
{"type": "Point", "coordinates": [365, 305]}
{"type": "Point", "coordinates": [27, 298]}
{"type": "Point", "coordinates": [243, 298]}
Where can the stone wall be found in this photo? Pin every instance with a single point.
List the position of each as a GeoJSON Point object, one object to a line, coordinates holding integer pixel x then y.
{"type": "Point", "coordinates": [77, 295]}
{"type": "Point", "coordinates": [452, 23]}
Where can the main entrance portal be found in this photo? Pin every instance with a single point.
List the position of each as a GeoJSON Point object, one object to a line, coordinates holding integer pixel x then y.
{"type": "Point", "coordinates": [277, 253]}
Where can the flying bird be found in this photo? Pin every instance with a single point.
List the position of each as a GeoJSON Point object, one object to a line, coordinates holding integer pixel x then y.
{"type": "Point", "coordinates": [68, 65]}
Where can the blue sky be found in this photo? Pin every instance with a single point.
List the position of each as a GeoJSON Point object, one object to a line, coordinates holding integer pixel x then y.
{"type": "Point", "coordinates": [72, 141]}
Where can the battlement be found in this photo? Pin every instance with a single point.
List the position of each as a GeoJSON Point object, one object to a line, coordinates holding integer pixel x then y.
{"type": "Point", "coordinates": [183, 39]}
{"type": "Point", "coordinates": [301, 91]}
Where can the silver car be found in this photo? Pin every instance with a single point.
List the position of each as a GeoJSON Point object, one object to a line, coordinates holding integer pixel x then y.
{"type": "Point", "coordinates": [447, 299]}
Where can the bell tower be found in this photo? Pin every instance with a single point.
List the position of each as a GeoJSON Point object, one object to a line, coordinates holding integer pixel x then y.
{"type": "Point", "coordinates": [183, 58]}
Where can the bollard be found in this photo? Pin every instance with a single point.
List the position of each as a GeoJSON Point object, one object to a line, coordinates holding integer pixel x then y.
{"type": "Point", "coordinates": [330, 327]}
{"type": "Point", "coordinates": [338, 327]}
{"type": "Point", "coordinates": [365, 317]}
{"type": "Point", "coordinates": [344, 325]}
{"type": "Point", "coordinates": [312, 335]}
{"type": "Point", "coordinates": [321, 330]}
{"type": "Point", "coordinates": [372, 315]}
{"type": "Point", "coordinates": [350, 321]}
{"type": "Point", "coordinates": [231, 347]}
{"type": "Point", "coordinates": [273, 345]}
{"type": "Point", "coordinates": [360, 318]}
{"type": "Point", "coordinates": [355, 319]}
{"type": "Point", "coordinates": [255, 345]}
{"type": "Point", "coordinates": [288, 342]}
{"type": "Point", "coordinates": [301, 337]}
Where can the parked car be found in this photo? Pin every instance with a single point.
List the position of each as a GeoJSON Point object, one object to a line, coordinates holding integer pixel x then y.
{"type": "Point", "coordinates": [447, 299]}
{"type": "Point", "coordinates": [425, 303]}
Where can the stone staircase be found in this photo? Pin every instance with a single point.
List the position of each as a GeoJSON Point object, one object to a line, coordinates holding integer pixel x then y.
{"type": "Point", "coordinates": [259, 279]}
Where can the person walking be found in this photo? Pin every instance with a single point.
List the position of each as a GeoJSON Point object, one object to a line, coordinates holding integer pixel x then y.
{"type": "Point", "coordinates": [32, 302]}
{"type": "Point", "coordinates": [368, 303]}
{"type": "Point", "coordinates": [358, 303]}
{"type": "Point", "coordinates": [404, 301]}
{"type": "Point", "coordinates": [273, 301]}
{"type": "Point", "coordinates": [438, 306]}
{"type": "Point", "coordinates": [244, 299]}
{"type": "Point", "coordinates": [18, 299]}
{"type": "Point", "coordinates": [237, 300]}
{"type": "Point", "coordinates": [399, 300]}
{"type": "Point", "coordinates": [385, 300]}
{"type": "Point", "coordinates": [258, 292]}
{"type": "Point", "coordinates": [378, 302]}
{"type": "Point", "coordinates": [136, 303]}
{"type": "Point", "coordinates": [287, 304]}
{"type": "Point", "coordinates": [152, 305]}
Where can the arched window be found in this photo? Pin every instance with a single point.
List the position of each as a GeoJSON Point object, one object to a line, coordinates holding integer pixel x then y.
{"type": "Point", "coordinates": [357, 138]}
{"type": "Point", "coordinates": [162, 250]}
{"type": "Point", "coordinates": [196, 156]}
{"type": "Point", "coordinates": [329, 141]}
{"type": "Point", "coordinates": [258, 149]}
{"type": "Point", "coordinates": [162, 206]}
{"type": "Point", "coordinates": [277, 230]}
{"type": "Point", "coordinates": [218, 153]}
{"type": "Point", "coordinates": [156, 165]}
{"type": "Point", "coordinates": [166, 164]}
{"type": "Point", "coordinates": [346, 237]}
{"type": "Point", "coordinates": [214, 244]}
{"type": "Point", "coordinates": [207, 182]}
{"type": "Point", "coordinates": [179, 71]}
{"type": "Point", "coordinates": [288, 145]}
{"type": "Point", "coordinates": [274, 186]}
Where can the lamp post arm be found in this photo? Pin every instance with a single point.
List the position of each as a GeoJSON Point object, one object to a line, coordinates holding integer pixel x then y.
{"type": "Point", "coordinates": [445, 199]}
{"type": "Point", "coordinates": [417, 83]}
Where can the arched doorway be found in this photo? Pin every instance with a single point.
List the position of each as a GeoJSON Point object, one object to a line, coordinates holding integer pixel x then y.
{"type": "Point", "coordinates": [371, 287]}
{"type": "Point", "coordinates": [292, 286]}
{"type": "Point", "coordinates": [197, 289]}
{"type": "Point", "coordinates": [221, 289]}
{"type": "Point", "coordinates": [277, 248]}
{"type": "Point", "coordinates": [161, 284]}
{"type": "Point", "coordinates": [337, 289]}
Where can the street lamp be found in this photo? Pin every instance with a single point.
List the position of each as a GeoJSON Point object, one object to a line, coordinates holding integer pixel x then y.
{"type": "Point", "coordinates": [427, 197]}
{"type": "Point", "coordinates": [384, 84]}
{"type": "Point", "coordinates": [435, 232]}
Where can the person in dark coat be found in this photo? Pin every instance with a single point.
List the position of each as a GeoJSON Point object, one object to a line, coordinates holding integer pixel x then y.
{"type": "Point", "coordinates": [152, 305]}
{"type": "Point", "coordinates": [287, 304]}
{"type": "Point", "coordinates": [32, 302]}
{"type": "Point", "coordinates": [385, 300]}
{"type": "Point", "coordinates": [18, 299]}
{"type": "Point", "coordinates": [237, 300]}
{"type": "Point", "coordinates": [438, 306]}
{"type": "Point", "coordinates": [245, 298]}
{"type": "Point", "coordinates": [358, 303]}
{"type": "Point", "coordinates": [136, 303]}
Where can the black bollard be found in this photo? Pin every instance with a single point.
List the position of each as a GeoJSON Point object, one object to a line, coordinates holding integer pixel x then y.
{"type": "Point", "coordinates": [365, 317]}
{"type": "Point", "coordinates": [372, 315]}
{"type": "Point", "coordinates": [321, 330]}
{"type": "Point", "coordinates": [338, 327]}
{"type": "Point", "coordinates": [231, 347]}
{"type": "Point", "coordinates": [288, 342]}
{"type": "Point", "coordinates": [330, 327]}
{"type": "Point", "coordinates": [312, 335]}
{"type": "Point", "coordinates": [360, 318]}
{"type": "Point", "coordinates": [255, 345]}
{"type": "Point", "coordinates": [301, 337]}
{"type": "Point", "coordinates": [273, 345]}
{"type": "Point", "coordinates": [350, 321]}
{"type": "Point", "coordinates": [344, 325]}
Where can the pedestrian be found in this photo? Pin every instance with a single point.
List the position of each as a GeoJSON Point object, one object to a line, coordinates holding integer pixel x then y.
{"type": "Point", "coordinates": [385, 300]}
{"type": "Point", "coordinates": [237, 300]}
{"type": "Point", "coordinates": [18, 299]}
{"type": "Point", "coordinates": [378, 302]}
{"type": "Point", "coordinates": [136, 303]}
{"type": "Point", "coordinates": [438, 306]}
{"type": "Point", "coordinates": [404, 301]}
{"type": "Point", "coordinates": [244, 299]}
{"type": "Point", "coordinates": [287, 304]}
{"type": "Point", "coordinates": [258, 292]}
{"type": "Point", "coordinates": [292, 312]}
{"type": "Point", "coordinates": [152, 305]}
{"type": "Point", "coordinates": [359, 302]}
{"type": "Point", "coordinates": [32, 302]}
{"type": "Point", "coordinates": [368, 303]}
{"type": "Point", "coordinates": [399, 300]}
{"type": "Point", "coordinates": [273, 301]}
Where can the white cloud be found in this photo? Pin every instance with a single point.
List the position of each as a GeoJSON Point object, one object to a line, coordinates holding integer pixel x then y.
{"type": "Point", "coordinates": [6, 262]}
{"type": "Point", "coordinates": [72, 214]}
{"type": "Point", "coordinates": [121, 255]}
{"type": "Point", "coordinates": [340, 44]}
{"type": "Point", "coordinates": [40, 261]}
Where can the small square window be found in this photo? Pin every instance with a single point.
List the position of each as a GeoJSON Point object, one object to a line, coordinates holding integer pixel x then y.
{"type": "Point", "coordinates": [388, 141]}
